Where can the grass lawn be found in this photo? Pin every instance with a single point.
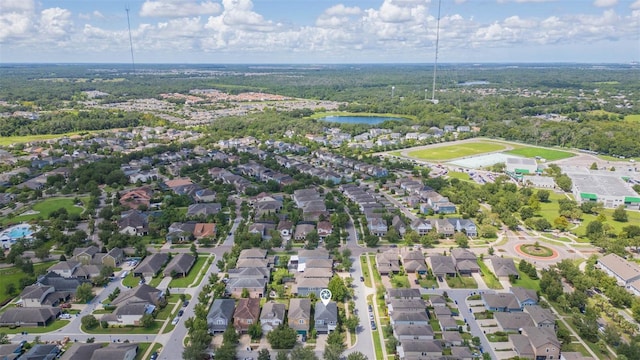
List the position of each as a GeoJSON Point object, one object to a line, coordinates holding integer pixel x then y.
{"type": "Point", "coordinates": [400, 281]}
{"type": "Point", "coordinates": [428, 283]}
{"type": "Point", "coordinates": [365, 271]}
{"type": "Point", "coordinates": [9, 140]}
{"type": "Point", "coordinates": [184, 282]}
{"type": "Point", "coordinates": [634, 218]}
{"type": "Point", "coordinates": [58, 324]}
{"type": "Point", "coordinates": [526, 282]}
{"type": "Point", "coordinates": [489, 278]}
{"type": "Point", "coordinates": [130, 280]}
{"type": "Point", "coordinates": [549, 210]}
{"type": "Point", "coordinates": [461, 282]}
{"type": "Point", "coordinates": [374, 333]}
{"type": "Point", "coordinates": [156, 280]}
{"type": "Point", "coordinates": [548, 154]}
{"type": "Point", "coordinates": [13, 275]}
{"type": "Point", "coordinates": [142, 348]}
{"type": "Point", "coordinates": [46, 207]}
{"type": "Point", "coordinates": [376, 275]}
{"type": "Point", "coordinates": [449, 152]}
{"type": "Point", "coordinates": [459, 175]}
{"type": "Point", "coordinates": [126, 330]}
{"type": "Point", "coordinates": [634, 117]}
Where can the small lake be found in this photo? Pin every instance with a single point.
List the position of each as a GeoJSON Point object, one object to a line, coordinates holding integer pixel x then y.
{"type": "Point", "coordinates": [370, 120]}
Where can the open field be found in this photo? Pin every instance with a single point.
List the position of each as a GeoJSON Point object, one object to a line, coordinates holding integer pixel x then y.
{"type": "Point", "coordinates": [450, 152]}
{"type": "Point", "coordinates": [46, 207]}
{"type": "Point", "coordinates": [13, 275]}
{"type": "Point", "coordinates": [9, 140]}
{"type": "Point", "coordinates": [549, 154]}
{"type": "Point", "coordinates": [634, 117]}
{"type": "Point", "coordinates": [634, 219]}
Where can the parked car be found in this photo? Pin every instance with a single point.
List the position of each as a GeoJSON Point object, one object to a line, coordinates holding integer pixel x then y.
{"type": "Point", "coordinates": [154, 355]}
{"type": "Point", "coordinates": [175, 320]}
{"type": "Point", "coordinates": [185, 303]}
{"type": "Point", "coordinates": [362, 278]}
{"type": "Point", "coordinates": [180, 312]}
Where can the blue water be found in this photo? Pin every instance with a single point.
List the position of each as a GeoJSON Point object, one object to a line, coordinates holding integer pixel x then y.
{"type": "Point", "coordinates": [477, 82]}
{"type": "Point", "coordinates": [20, 232]}
{"type": "Point", "coordinates": [371, 120]}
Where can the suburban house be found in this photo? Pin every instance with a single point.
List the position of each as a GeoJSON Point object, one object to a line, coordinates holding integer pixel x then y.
{"type": "Point", "coordinates": [542, 318]}
{"type": "Point", "coordinates": [526, 297]}
{"type": "Point", "coordinates": [272, 316]}
{"type": "Point", "coordinates": [133, 222]}
{"type": "Point", "coordinates": [377, 226]}
{"type": "Point", "coordinates": [403, 293]}
{"type": "Point", "coordinates": [447, 323]}
{"type": "Point", "coordinates": [253, 279]}
{"type": "Point", "coordinates": [413, 261]}
{"type": "Point", "coordinates": [203, 209]}
{"type": "Point", "coordinates": [465, 261]}
{"type": "Point", "coordinates": [299, 316]}
{"type": "Point", "coordinates": [132, 304]}
{"type": "Point", "coordinates": [503, 267]}
{"type": "Point", "coordinates": [124, 351]}
{"type": "Point", "coordinates": [220, 315]}
{"type": "Point", "coordinates": [505, 302]}
{"type": "Point", "coordinates": [441, 265]}
{"type": "Point", "coordinates": [405, 305]}
{"type": "Point", "coordinates": [326, 317]}
{"type": "Point", "coordinates": [620, 269]}
{"type": "Point", "coordinates": [419, 317]}
{"type": "Point", "coordinates": [452, 338]}
{"type": "Point", "coordinates": [247, 313]}
{"type": "Point", "coordinates": [421, 226]}
{"type": "Point", "coordinates": [181, 232]}
{"type": "Point", "coordinates": [419, 349]}
{"type": "Point", "coordinates": [179, 265]}
{"type": "Point", "coordinates": [41, 352]}
{"type": "Point", "coordinates": [151, 265]}
{"type": "Point", "coordinates": [512, 322]}
{"type": "Point", "coordinates": [461, 353]}
{"type": "Point", "coordinates": [38, 295]}
{"type": "Point", "coordinates": [285, 227]}
{"type": "Point", "coordinates": [444, 227]}
{"type": "Point", "coordinates": [324, 229]}
{"type": "Point", "coordinates": [24, 316]}
{"type": "Point", "coordinates": [413, 332]}
{"type": "Point", "coordinates": [388, 262]}
{"type": "Point", "coordinates": [113, 258]}
{"type": "Point", "coordinates": [302, 230]}
{"type": "Point", "coordinates": [135, 198]}
{"type": "Point", "coordinates": [203, 230]}
{"type": "Point", "coordinates": [399, 225]}
{"type": "Point", "coordinates": [536, 343]}
{"type": "Point", "coordinates": [205, 196]}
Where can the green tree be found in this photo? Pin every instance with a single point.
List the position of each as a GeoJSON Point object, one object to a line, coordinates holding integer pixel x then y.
{"type": "Point", "coordinates": [283, 337]}
{"type": "Point", "coordinates": [147, 321]}
{"type": "Point", "coordinates": [230, 335]}
{"type": "Point", "coordinates": [263, 354]}
{"type": "Point", "coordinates": [352, 323]}
{"type": "Point", "coordinates": [595, 230]}
{"type": "Point", "coordinates": [4, 339]}
{"type": "Point", "coordinates": [303, 353]}
{"type": "Point", "coordinates": [226, 352]}
{"type": "Point", "coordinates": [255, 331]}
{"type": "Point", "coordinates": [371, 240]}
{"type": "Point", "coordinates": [357, 355]}
{"type": "Point", "coordinates": [461, 239]}
{"type": "Point", "coordinates": [594, 166]}
{"type": "Point", "coordinates": [564, 183]}
{"type": "Point", "coordinates": [339, 291]}
{"type": "Point", "coordinates": [245, 293]}
{"type": "Point", "coordinates": [543, 195]}
{"type": "Point", "coordinates": [551, 284]}
{"type": "Point", "coordinates": [526, 212]}
{"type": "Point", "coordinates": [282, 355]}
{"type": "Point", "coordinates": [620, 214]}
{"type": "Point", "coordinates": [89, 322]}
{"type": "Point", "coordinates": [561, 223]}
{"type": "Point", "coordinates": [84, 293]}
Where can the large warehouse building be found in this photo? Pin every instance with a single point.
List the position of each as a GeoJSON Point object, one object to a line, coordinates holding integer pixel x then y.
{"type": "Point", "coordinates": [612, 190]}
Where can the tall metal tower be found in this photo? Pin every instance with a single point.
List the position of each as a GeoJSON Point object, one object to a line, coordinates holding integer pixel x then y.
{"type": "Point", "coordinates": [435, 62]}
{"type": "Point", "coordinates": [133, 63]}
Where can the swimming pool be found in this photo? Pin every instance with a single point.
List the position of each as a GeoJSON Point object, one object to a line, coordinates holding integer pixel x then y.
{"type": "Point", "coordinates": [9, 236]}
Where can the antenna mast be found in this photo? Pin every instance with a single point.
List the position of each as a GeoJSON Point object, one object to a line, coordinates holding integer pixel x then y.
{"type": "Point", "coordinates": [133, 64]}
{"type": "Point", "coordinates": [435, 62]}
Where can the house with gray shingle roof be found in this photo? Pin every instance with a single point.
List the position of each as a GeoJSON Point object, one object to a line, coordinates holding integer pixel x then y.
{"type": "Point", "coordinates": [299, 316]}
{"type": "Point", "coordinates": [272, 316]}
{"type": "Point", "coordinates": [220, 315]}
{"type": "Point", "coordinates": [180, 264]}
{"type": "Point", "coordinates": [413, 332]}
{"type": "Point", "coordinates": [151, 265]}
{"type": "Point", "coordinates": [441, 265]}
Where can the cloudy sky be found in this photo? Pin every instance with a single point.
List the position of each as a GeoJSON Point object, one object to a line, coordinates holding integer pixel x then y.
{"type": "Point", "coordinates": [319, 31]}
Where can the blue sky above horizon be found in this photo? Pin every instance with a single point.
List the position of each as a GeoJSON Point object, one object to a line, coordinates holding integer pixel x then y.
{"type": "Point", "coordinates": [320, 31]}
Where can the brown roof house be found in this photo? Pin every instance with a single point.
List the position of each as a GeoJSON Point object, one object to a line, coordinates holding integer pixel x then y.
{"type": "Point", "coordinates": [413, 261]}
{"type": "Point", "coordinates": [388, 262]}
{"type": "Point", "coordinates": [135, 198]}
{"type": "Point", "coordinates": [180, 265]}
{"type": "Point", "coordinates": [247, 313]}
{"type": "Point", "coordinates": [151, 265]}
{"type": "Point", "coordinates": [299, 316]}
{"type": "Point", "coordinates": [536, 343]}
{"type": "Point", "coordinates": [203, 230]}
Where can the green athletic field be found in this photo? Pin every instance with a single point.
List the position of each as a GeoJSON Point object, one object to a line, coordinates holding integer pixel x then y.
{"type": "Point", "coordinates": [548, 154]}
{"type": "Point", "coordinates": [450, 152]}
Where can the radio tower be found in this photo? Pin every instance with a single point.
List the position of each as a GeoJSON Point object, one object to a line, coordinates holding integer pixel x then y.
{"type": "Point", "coordinates": [435, 62]}
{"type": "Point", "coordinates": [133, 63]}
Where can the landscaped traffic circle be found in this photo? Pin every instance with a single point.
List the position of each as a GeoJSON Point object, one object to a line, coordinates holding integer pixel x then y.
{"type": "Point", "coordinates": [537, 250]}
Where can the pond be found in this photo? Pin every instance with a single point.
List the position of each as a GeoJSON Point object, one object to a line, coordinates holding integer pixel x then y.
{"type": "Point", "coordinates": [370, 120]}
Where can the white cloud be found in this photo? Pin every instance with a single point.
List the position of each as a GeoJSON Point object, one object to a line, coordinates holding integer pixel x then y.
{"type": "Point", "coordinates": [635, 5]}
{"type": "Point", "coordinates": [605, 3]}
{"type": "Point", "coordinates": [338, 16]}
{"type": "Point", "coordinates": [16, 5]}
{"type": "Point", "coordinates": [178, 8]}
{"type": "Point", "coordinates": [55, 22]}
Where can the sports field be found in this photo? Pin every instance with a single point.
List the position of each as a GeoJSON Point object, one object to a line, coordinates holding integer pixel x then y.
{"type": "Point", "coordinates": [548, 154]}
{"type": "Point", "coordinates": [455, 151]}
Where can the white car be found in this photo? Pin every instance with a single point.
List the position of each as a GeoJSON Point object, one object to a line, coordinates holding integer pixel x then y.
{"type": "Point", "coordinates": [175, 320]}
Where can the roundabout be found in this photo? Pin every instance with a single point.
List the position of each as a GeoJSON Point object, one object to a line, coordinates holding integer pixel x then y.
{"type": "Point", "coordinates": [536, 251]}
